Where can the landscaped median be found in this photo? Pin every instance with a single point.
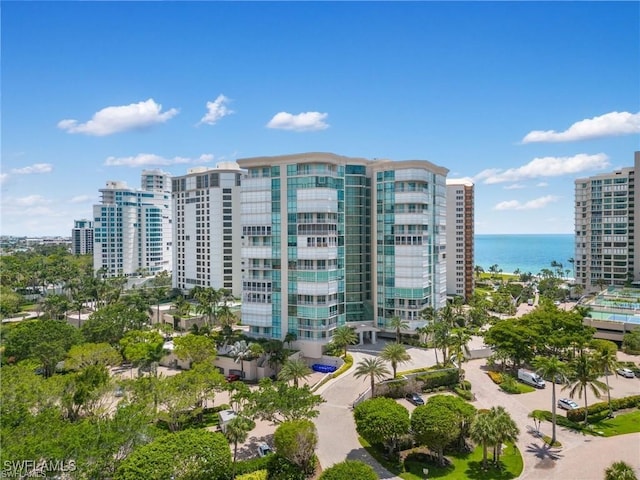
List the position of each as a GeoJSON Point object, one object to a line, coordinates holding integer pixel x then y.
{"type": "Point", "coordinates": [508, 383]}
{"type": "Point", "coordinates": [627, 420]}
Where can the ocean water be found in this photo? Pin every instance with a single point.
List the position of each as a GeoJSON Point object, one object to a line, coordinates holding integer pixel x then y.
{"type": "Point", "coordinates": [528, 253]}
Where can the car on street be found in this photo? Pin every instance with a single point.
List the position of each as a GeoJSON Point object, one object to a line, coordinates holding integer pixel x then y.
{"type": "Point", "coordinates": [625, 372]}
{"type": "Point", "coordinates": [414, 398]}
{"type": "Point", "coordinates": [264, 449]}
{"type": "Point", "coordinates": [567, 404]}
{"type": "Point", "coordinates": [232, 377]}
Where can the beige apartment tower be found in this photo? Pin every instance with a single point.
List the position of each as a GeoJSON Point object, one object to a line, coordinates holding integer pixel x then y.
{"type": "Point", "coordinates": [460, 238]}
{"type": "Point", "coordinates": [607, 244]}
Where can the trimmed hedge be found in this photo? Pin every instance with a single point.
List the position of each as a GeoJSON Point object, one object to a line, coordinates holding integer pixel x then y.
{"type": "Point", "coordinates": [442, 378]}
{"type": "Point", "coordinates": [577, 415]}
{"type": "Point", "coordinates": [560, 420]}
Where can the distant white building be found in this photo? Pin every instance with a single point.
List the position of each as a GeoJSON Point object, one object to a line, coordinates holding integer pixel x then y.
{"type": "Point", "coordinates": [460, 238]}
{"type": "Point", "coordinates": [82, 237]}
{"type": "Point", "coordinates": [133, 228]}
{"type": "Point", "coordinates": [207, 235]}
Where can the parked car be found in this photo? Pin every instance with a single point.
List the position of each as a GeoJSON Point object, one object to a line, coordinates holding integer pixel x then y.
{"type": "Point", "coordinates": [264, 449]}
{"type": "Point", "coordinates": [232, 377]}
{"type": "Point", "coordinates": [414, 398]}
{"type": "Point", "coordinates": [567, 404]}
{"type": "Point", "coordinates": [625, 372]}
{"type": "Point", "coordinates": [119, 392]}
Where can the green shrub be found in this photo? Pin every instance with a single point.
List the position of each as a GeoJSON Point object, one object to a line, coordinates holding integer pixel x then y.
{"type": "Point", "coordinates": [509, 384]}
{"type": "Point", "coordinates": [560, 420]}
{"type": "Point", "coordinates": [280, 468]}
{"type": "Point", "coordinates": [393, 389]}
{"type": "Point", "coordinates": [348, 361]}
{"type": "Point", "coordinates": [577, 415]}
{"type": "Point", "coordinates": [252, 465]}
{"type": "Point", "coordinates": [349, 470]}
{"type": "Point", "coordinates": [438, 379]}
{"type": "Point", "coordinates": [466, 394]}
{"type": "Point", "coordinates": [257, 475]}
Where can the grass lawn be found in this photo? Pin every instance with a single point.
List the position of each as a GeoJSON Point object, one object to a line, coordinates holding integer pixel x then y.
{"type": "Point", "coordinates": [465, 466]}
{"type": "Point", "coordinates": [619, 425]}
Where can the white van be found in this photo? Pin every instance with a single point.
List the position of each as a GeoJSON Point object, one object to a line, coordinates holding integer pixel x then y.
{"type": "Point", "coordinates": [530, 378]}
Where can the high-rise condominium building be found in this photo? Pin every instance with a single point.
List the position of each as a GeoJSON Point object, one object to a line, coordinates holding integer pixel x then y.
{"type": "Point", "coordinates": [207, 235]}
{"type": "Point", "coordinates": [132, 228]}
{"type": "Point", "coordinates": [331, 240]}
{"type": "Point", "coordinates": [460, 238]}
{"type": "Point", "coordinates": [607, 244]}
{"type": "Point", "coordinates": [82, 237]}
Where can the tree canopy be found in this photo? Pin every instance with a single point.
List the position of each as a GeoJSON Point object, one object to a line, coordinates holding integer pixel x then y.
{"type": "Point", "coordinates": [381, 420]}
{"type": "Point", "coordinates": [194, 454]}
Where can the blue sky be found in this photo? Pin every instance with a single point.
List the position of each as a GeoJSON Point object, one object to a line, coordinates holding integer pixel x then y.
{"type": "Point", "coordinates": [523, 98]}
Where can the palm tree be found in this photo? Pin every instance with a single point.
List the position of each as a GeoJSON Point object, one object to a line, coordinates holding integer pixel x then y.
{"type": "Point", "coordinates": [398, 324]}
{"type": "Point", "coordinates": [606, 362]}
{"type": "Point", "coordinates": [294, 370]}
{"type": "Point", "coordinates": [585, 375]}
{"type": "Point", "coordinates": [553, 368]}
{"type": "Point", "coordinates": [478, 271]}
{"type": "Point", "coordinates": [237, 430]}
{"type": "Point", "coordinates": [572, 261]}
{"type": "Point", "coordinates": [240, 351]}
{"type": "Point", "coordinates": [290, 337]}
{"type": "Point", "coordinates": [482, 431]}
{"type": "Point", "coordinates": [460, 339]}
{"type": "Point", "coordinates": [343, 337]}
{"type": "Point", "coordinates": [620, 471]}
{"type": "Point", "coordinates": [207, 299]}
{"type": "Point", "coordinates": [505, 429]}
{"type": "Point", "coordinates": [372, 368]}
{"type": "Point", "coordinates": [395, 353]}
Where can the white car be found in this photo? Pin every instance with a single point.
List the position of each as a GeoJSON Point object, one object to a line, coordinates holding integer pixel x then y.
{"type": "Point", "coordinates": [567, 404]}
{"type": "Point", "coordinates": [264, 449]}
{"type": "Point", "coordinates": [625, 372]}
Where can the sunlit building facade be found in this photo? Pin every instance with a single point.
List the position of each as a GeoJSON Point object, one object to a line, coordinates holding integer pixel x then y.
{"type": "Point", "coordinates": [607, 244]}
{"type": "Point", "coordinates": [331, 240]}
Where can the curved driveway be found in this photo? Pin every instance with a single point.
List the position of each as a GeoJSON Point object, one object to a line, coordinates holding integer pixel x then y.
{"type": "Point", "coordinates": [337, 437]}
{"type": "Point", "coordinates": [582, 457]}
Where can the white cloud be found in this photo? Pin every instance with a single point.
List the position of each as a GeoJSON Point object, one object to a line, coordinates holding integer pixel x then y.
{"type": "Point", "coordinates": [530, 205]}
{"type": "Point", "coordinates": [607, 125]}
{"type": "Point", "coordinates": [216, 110]}
{"type": "Point", "coordinates": [514, 186]}
{"type": "Point", "coordinates": [28, 201]}
{"type": "Point", "coordinates": [3, 178]}
{"type": "Point", "coordinates": [542, 184]}
{"type": "Point", "coordinates": [302, 122]}
{"type": "Point", "coordinates": [82, 199]}
{"type": "Point", "coordinates": [546, 167]}
{"type": "Point", "coordinates": [150, 159]}
{"type": "Point", "coordinates": [121, 118]}
{"type": "Point", "coordinates": [35, 168]}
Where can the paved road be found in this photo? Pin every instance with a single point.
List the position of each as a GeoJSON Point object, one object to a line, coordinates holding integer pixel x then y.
{"type": "Point", "coordinates": [337, 435]}
{"type": "Point", "coordinates": [582, 457]}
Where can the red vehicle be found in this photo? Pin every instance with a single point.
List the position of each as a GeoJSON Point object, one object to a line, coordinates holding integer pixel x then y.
{"type": "Point", "coordinates": [232, 377]}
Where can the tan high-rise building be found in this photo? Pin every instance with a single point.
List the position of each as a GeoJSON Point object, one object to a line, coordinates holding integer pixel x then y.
{"type": "Point", "coordinates": [607, 244]}
{"type": "Point", "coordinates": [460, 238]}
